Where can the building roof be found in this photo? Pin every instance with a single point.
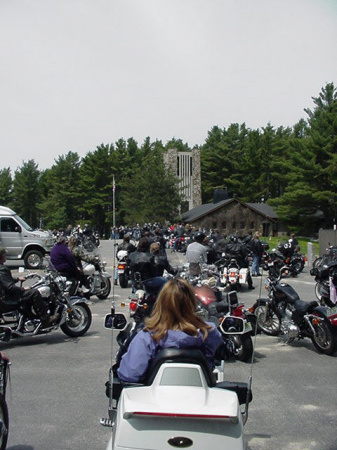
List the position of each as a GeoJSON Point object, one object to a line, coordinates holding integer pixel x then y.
{"type": "Point", "coordinates": [203, 210]}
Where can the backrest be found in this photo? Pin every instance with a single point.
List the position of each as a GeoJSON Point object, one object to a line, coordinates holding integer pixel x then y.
{"type": "Point", "coordinates": [180, 355]}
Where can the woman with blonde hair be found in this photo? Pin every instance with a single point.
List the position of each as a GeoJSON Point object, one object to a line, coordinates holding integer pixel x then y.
{"type": "Point", "coordinates": [172, 324]}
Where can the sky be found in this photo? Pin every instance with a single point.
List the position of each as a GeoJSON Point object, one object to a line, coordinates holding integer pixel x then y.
{"type": "Point", "coordinates": [75, 74]}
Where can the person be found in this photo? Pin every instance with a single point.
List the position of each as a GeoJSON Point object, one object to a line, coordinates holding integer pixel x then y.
{"type": "Point", "coordinates": [64, 261]}
{"type": "Point", "coordinates": [196, 253]}
{"type": "Point", "coordinates": [13, 295]}
{"type": "Point", "coordinates": [79, 254]}
{"type": "Point", "coordinates": [212, 255]}
{"type": "Point", "coordinates": [239, 251]}
{"type": "Point", "coordinates": [160, 262]}
{"type": "Point", "coordinates": [257, 250]}
{"type": "Point", "coordinates": [293, 241]}
{"type": "Point", "coordinates": [172, 324]}
{"type": "Point", "coordinates": [142, 260]}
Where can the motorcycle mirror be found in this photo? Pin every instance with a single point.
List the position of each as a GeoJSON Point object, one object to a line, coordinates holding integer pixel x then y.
{"type": "Point", "coordinates": [232, 325]}
{"type": "Point", "coordinates": [116, 322]}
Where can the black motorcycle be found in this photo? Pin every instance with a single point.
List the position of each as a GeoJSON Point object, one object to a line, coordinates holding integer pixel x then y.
{"type": "Point", "coordinates": [284, 313]}
{"type": "Point", "coordinates": [4, 419]}
{"type": "Point", "coordinates": [74, 313]}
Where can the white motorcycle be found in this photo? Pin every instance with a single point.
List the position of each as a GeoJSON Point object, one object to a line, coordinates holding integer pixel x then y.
{"type": "Point", "coordinates": [180, 405]}
{"type": "Point", "coordinates": [99, 279]}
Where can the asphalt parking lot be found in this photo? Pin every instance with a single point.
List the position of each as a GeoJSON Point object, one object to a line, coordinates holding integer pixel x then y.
{"type": "Point", "coordinates": [57, 391]}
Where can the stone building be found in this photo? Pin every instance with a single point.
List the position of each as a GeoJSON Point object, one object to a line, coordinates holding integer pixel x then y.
{"type": "Point", "coordinates": [232, 216]}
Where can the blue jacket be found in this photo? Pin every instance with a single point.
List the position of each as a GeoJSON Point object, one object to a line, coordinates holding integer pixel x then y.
{"type": "Point", "coordinates": [143, 349]}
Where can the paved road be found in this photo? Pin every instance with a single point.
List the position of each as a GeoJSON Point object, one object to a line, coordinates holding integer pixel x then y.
{"type": "Point", "coordinates": [57, 385]}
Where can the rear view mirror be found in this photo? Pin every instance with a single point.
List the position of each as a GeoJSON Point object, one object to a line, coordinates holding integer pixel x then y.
{"type": "Point", "coordinates": [116, 322]}
{"type": "Point", "coordinates": [232, 325]}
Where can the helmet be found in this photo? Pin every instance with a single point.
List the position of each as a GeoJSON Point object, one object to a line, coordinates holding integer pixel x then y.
{"type": "Point", "coordinates": [233, 238]}
{"type": "Point", "coordinates": [199, 236]}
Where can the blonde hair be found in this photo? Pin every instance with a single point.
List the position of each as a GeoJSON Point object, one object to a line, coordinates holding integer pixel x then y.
{"type": "Point", "coordinates": [72, 242]}
{"type": "Point", "coordinates": [154, 247]}
{"type": "Point", "coordinates": [175, 310]}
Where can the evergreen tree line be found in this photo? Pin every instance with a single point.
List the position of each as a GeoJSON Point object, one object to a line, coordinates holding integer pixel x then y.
{"type": "Point", "coordinates": [294, 169]}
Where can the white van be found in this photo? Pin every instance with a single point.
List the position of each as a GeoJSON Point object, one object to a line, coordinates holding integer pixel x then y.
{"type": "Point", "coordinates": [21, 241]}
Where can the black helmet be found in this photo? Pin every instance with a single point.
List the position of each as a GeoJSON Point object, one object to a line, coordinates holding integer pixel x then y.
{"type": "Point", "coordinates": [199, 236]}
{"type": "Point", "coordinates": [233, 238]}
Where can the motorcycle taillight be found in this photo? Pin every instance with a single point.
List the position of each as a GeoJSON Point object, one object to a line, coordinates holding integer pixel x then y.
{"type": "Point", "coordinates": [133, 306]}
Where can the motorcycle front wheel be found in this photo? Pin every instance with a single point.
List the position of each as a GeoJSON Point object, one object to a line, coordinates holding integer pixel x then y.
{"type": "Point", "coordinates": [4, 423]}
{"type": "Point", "coordinates": [324, 339]}
{"type": "Point", "coordinates": [318, 290]}
{"type": "Point", "coordinates": [267, 320]}
{"type": "Point", "coordinates": [77, 325]}
{"type": "Point", "coordinates": [243, 345]}
{"type": "Point", "coordinates": [105, 290]}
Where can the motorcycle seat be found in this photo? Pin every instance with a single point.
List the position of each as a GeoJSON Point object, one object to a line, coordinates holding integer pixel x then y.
{"type": "Point", "coordinates": [303, 307]}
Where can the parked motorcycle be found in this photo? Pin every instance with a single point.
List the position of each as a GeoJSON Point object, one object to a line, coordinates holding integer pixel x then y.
{"type": "Point", "coordinates": [329, 255]}
{"type": "Point", "coordinates": [74, 313]}
{"type": "Point", "coordinates": [323, 275]}
{"type": "Point", "coordinates": [98, 279]}
{"type": "Point", "coordinates": [156, 414]}
{"type": "Point", "coordinates": [283, 312]}
{"type": "Point", "coordinates": [4, 419]}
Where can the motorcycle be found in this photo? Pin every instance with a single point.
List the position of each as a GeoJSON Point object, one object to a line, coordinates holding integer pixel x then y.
{"type": "Point", "coordinates": [4, 419]}
{"type": "Point", "coordinates": [323, 283]}
{"type": "Point", "coordinates": [98, 279]}
{"type": "Point", "coordinates": [233, 275]}
{"type": "Point", "coordinates": [74, 313]}
{"type": "Point", "coordinates": [123, 269]}
{"type": "Point", "coordinates": [214, 307]}
{"type": "Point", "coordinates": [284, 313]}
{"type": "Point", "coordinates": [156, 414]}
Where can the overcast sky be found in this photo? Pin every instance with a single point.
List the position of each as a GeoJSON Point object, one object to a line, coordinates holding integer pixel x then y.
{"type": "Point", "coordinates": [78, 73]}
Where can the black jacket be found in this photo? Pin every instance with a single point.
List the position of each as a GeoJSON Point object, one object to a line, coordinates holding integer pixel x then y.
{"type": "Point", "coordinates": [9, 291]}
{"type": "Point", "coordinates": [142, 262]}
{"type": "Point", "coordinates": [160, 264]}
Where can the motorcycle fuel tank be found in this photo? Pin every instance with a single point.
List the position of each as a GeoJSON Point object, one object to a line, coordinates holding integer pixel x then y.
{"type": "Point", "coordinates": [205, 294]}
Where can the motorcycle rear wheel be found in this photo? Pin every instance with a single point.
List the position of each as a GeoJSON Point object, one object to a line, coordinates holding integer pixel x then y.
{"type": "Point", "coordinates": [106, 290]}
{"type": "Point", "coordinates": [325, 340]}
{"type": "Point", "coordinates": [267, 320]}
{"type": "Point", "coordinates": [123, 280]}
{"type": "Point", "coordinates": [74, 327]}
{"type": "Point", "coordinates": [4, 423]}
{"type": "Point", "coordinates": [244, 346]}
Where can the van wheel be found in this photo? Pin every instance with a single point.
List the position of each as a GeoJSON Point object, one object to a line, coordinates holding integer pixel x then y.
{"type": "Point", "coordinates": [33, 259]}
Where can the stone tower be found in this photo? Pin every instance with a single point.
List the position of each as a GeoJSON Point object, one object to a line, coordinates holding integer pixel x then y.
{"type": "Point", "coordinates": [186, 167]}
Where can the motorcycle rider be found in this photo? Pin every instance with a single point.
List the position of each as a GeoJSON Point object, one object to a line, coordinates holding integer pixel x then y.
{"type": "Point", "coordinates": [173, 323]}
{"type": "Point", "coordinates": [196, 253]}
{"type": "Point", "coordinates": [240, 252]}
{"type": "Point", "coordinates": [142, 260]}
{"type": "Point", "coordinates": [160, 262]}
{"type": "Point", "coordinates": [128, 247]}
{"type": "Point", "coordinates": [64, 261]}
{"type": "Point", "coordinates": [13, 295]}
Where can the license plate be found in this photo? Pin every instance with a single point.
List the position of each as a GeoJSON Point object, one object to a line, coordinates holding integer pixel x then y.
{"type": "Point", "coordinates": [270, 264]}
{"type": "Point", "coordinates": [120, 271]}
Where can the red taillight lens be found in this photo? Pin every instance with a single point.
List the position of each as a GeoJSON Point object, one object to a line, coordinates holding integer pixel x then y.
{"type": "Point", "coordinates": [133, 306]}
{"type": "Point", "coordinates": [121, 266]}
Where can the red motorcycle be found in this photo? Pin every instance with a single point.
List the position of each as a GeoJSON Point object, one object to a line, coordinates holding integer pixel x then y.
{"type": "Point", "coordinates": [215, 306]}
